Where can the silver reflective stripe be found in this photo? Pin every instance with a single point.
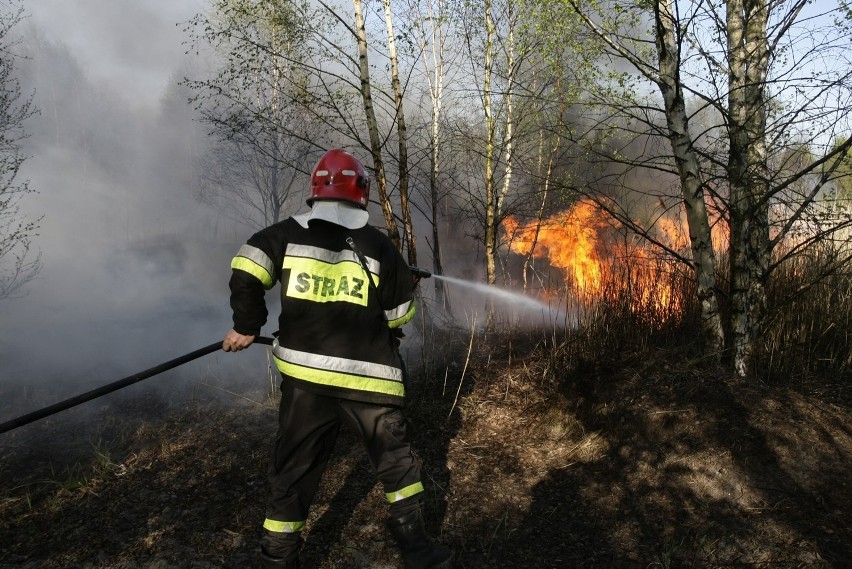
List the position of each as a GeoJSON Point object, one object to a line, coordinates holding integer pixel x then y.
{"type": "Point", "coordinates": [256, 255]}
{"type": "Point", "coordinates": [341, 365]}
{"type": "Point", "coordinates": [332, 257]}
{"type": "Point", "coordinates": [399, 311]}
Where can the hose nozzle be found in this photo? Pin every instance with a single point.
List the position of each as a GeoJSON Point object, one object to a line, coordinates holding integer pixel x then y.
{"type": "Point", "coordinates": [419, 273]}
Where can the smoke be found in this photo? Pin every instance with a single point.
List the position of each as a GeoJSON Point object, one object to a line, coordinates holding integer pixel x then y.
{"type": "Point", "coordinates": [126, 47]}
{"type": "Point", "coordinates": [135, 270]}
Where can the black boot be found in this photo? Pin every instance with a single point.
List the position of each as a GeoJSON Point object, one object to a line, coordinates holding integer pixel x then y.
{"type": "Point", "coordinates": [418, 551]}
{"type": "Point", "coordinates": [280, 550]}
{"type": "Point", "coordinates": [269, 562]}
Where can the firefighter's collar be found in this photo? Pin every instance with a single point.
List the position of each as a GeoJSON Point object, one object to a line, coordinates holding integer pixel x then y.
{"type": "Point", "coordinates": [341, 213]}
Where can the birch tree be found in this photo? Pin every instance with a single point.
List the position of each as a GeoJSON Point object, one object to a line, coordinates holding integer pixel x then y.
{"type": "Point", "coordinates": [502, 55]}
{"type": "Point", "coordinates": [748, 170]}
{"type": "Point", "coordinates": [430, 26]}
{"type": "Point", "coordinates": [402, 138]}
{"type": "Point", "coordinates": [366, 91]}
{"type": "Point", "coordinates": [490, 147]}
{"type": "Point", "coordinates": [254, 106]}
{"type": "Point", "coordinates": [724, 59]}
{"type": "Point", "coordinates": [664, 71]}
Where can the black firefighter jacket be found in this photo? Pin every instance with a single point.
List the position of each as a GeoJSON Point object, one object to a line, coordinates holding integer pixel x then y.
{"type": "Point", "coordinates": [335, 329]}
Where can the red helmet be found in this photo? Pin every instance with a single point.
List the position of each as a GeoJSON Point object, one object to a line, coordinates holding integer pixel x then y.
{"type": "Point", "coordinates": [339, 176]}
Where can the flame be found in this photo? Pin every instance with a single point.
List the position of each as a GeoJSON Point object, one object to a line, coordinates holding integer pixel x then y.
{"type": "Point", "coordinates": [569, 240]}
{"type": "Point", "coordinates": [598, 259]}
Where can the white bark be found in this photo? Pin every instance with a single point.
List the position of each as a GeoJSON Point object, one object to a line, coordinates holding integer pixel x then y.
{"type": "Point", "coordinates": [372, 125]}
{"type": "Point", "coordinates": [408, 226]}
{"type": "Point", "coordinates": [692, 186]}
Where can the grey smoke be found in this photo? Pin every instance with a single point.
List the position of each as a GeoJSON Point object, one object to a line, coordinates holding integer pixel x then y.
{"type": "Point", "coordinates": [135, 269]}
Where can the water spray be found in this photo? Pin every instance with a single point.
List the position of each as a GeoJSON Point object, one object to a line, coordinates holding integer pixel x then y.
{"type": "Point", "coordinates": [514, 298]}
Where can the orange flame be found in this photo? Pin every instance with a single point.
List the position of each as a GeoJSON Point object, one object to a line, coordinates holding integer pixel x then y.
{"type": "Point", "coordinates": [569, 240]}
{"type": "Point", "coordinates": [596, 259]}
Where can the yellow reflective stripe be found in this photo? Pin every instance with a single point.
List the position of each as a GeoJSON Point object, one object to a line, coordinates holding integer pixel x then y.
{"type": "Point", "coordinates": [252, 268]}
{"type": "Point", "coordinates": [407, 313]}
{"type": "Point", "coordinates": [255, 262]}
{"type": "Point", "coordinates": [332, 363]}
{"type": "Point", "coordinates": [283, 527]}
{"type": "Point", "coordinates": [404, 493]}
{"type": "Point", "coordinates": [319, 281]}
{"type": "Point", "coordinates": [338, 379]}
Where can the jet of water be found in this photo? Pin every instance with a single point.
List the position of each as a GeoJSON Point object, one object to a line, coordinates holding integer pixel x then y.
{"type": "Point", "coordinates": [515, 299]}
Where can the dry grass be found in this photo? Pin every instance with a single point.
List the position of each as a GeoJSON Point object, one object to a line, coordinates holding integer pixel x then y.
{"type": "Point", "coordinates": [618, 445]}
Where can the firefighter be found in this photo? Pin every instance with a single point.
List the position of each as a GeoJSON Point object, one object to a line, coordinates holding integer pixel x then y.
{"type": "Point", "coordinates": [345, 292]}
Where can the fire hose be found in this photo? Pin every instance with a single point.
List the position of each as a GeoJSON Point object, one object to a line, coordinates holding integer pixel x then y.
{"type": "Point", "coordinates": [416, 272]}
{"type": "Point", "coordinates": [116, 385]}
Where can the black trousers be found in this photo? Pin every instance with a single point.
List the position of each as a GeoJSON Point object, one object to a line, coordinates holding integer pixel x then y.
{"type": "Point", "coordinates": [308, 426]}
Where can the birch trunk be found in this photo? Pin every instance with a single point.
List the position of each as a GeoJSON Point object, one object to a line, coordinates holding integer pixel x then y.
{"type": "Point", "coordinates": [747, 62]}
{"type": "Point", "coordinates": [372, 126]}
{"type": "Point", "coordinates": [435, 78]}
{"type": "Point", "coordinates": [510, 120]}
{"type": "Point", "coordinates": [692, 187]}
{"type": "Point", "coordinates": [408, 226]}
{"type": "Point", "coordinates": [546, 175]}
{"type": "Point", "coordinates": [490, 198]}
{"type": "Point", "coordinates": [758, 247]}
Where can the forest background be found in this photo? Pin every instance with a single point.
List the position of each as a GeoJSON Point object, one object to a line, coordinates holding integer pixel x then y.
{"type": "Point", "coordinates": [656, 173]}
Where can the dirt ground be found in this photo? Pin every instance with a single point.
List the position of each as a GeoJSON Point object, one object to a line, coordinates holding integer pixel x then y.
{"type": "Point", "coordinates": [645, 460]}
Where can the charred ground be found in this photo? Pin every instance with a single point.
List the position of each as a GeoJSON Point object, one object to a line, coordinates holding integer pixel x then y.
{"type": "Point", "coordinates": [533, 458]}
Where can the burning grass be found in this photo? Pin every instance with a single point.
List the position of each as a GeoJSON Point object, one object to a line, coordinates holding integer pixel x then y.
{"type": "Point", "coordinates": [628, 293]}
